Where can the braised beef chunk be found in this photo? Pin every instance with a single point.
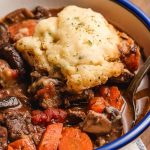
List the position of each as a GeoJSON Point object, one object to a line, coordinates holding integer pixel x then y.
{"type": "Point", "coordinates": [124, 79]}
{"type": "Point", "coordinates": [41, 81]}
{"type": "Point", "coordinates": [19, 125]}
{"type": "Point", "coordinates": [45, 92]}
{"type": "Point", "coordinates": [17, 122]}
{"type": "Point", "coordinates": [48, 97]}
{"type": "Point", "coordinates": [41, 12]}
{"type": "Point", "coordinates": [3, 138]}
{"type": "Point", "coordinates": [18, 15]}
{"type": "Point", "coordinates": [75, 115]}
{"type": "Point", "coordinates": [1, 118]}
{"type": "Point", "coordinates": [73, 100]}
{"type": "Point", "coordinates": [10, 54]}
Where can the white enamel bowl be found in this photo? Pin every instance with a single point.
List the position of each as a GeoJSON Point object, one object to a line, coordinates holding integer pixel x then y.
{"type": "Point", "coordinates": [121, 13]}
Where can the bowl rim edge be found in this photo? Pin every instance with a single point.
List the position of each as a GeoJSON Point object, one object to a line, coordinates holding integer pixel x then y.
{"type": "Point", "coordinates": [145, 122]}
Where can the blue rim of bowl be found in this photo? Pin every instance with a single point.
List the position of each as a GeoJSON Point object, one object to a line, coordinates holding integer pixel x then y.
{"type": "Point", "coordinates": [136, 11]}
{"type": "Point", "coordinates": [145, 122]}
{"type": "Point", "coordinates": [128, 137]}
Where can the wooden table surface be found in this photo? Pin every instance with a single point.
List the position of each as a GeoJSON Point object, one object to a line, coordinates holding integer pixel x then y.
{"type": "Point", "coordinates": [145, 6]}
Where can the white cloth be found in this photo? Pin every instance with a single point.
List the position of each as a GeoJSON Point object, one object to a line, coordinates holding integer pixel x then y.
{"type": "Point", "coordinates": [135, 145]}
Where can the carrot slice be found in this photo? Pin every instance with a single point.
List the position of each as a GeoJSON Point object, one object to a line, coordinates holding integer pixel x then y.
{"type": "Point", "coordinates": [21, 29]}
{"type": "Point", "coordinates": [132, 61]}
{"type": "Point", "coordinates": [51, 137]}
{"type": "Point", "coordinates": [116, 99]}
{"type": "Point", "coordinates": [113, 96]}
{"type": "Point", "coordinates": [74, 139]}
{"type": "Point", "coordinates": [23, 144]}
{"type": "Point", "coordinates": [98, 104]}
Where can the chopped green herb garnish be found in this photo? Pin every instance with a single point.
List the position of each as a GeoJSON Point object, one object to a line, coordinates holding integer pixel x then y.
{"type": "Point", "coordinates": [77, 18]}
{"type": "Point", "coordinates": [89, 42]}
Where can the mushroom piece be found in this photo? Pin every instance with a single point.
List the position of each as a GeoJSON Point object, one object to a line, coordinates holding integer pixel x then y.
{"type": "Point", "coordinates": [114, 114]}
{"type": "Point", "coordinates": [117, 127]}
{"type": "Point", "coordinates": [96, 123]}
{"type": "Point", "coordinates": [116, 119]}
{"type": "Point", "coordinates": [9, 102]}
{"type": "Point", "coordinates": [103, 123]}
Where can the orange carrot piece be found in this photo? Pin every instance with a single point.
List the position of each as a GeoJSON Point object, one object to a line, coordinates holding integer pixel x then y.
{"type": "Point", "coordinates": [133, 60]}
{"type": "Point", "coordinates": [112, 95]}
{"type": "Point", "coordinates": [21, 29]}
{"type": "Point", "coordinates": [74, 139]}
{"type": "Point", "coordinates": [98, 104]}
{"type": "Point", "coordinates": [23, 144]}
{"type": "Point", "coordinates": [116, 99]}
{"type": "Point", "coordinates": [51, 137]}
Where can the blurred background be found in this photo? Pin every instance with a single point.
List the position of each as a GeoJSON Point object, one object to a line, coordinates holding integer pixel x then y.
{"type": "Point", "coordinates": [144, 5]}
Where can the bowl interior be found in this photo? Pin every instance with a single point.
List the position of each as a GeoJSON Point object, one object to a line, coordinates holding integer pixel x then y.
{"type": "Point", "coordinates": [115, 13]}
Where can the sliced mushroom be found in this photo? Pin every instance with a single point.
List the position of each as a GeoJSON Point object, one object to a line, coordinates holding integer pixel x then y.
{"type": "Point", "coordinates": [9, 102]}
{"type": "Point", "coordinates": [114, 114]}
{"type": "Point", "coordinates": [96, 123]}
{"type": "Point", "coordinates": [117, 127]}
